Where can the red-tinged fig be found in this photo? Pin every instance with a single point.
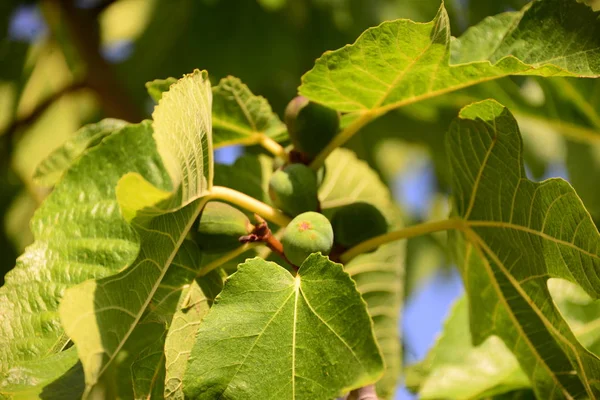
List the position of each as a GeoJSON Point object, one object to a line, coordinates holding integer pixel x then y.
{"type": "Point", "coordinates": [308, 233]}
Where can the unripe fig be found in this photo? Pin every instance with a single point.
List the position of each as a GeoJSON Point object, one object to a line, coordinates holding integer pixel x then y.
{"type": "Point", "coordinates": [220, 227]}
{"type": "Point", "coordinates": [356, 223]}
{"type": "Point", "coordinates": [308, 233]}
{"type": "Point", "coordinates": [311, 126]}
{"type": "Point", "coordinates": [294, 189]}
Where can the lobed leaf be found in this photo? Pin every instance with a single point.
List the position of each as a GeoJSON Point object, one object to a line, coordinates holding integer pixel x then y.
{"type": "Point", "coordinates": [403, 62]}
{"type": "Point", "coordinates": [268, 330]}
{"type": "Point", "coordinates": [514, 235]}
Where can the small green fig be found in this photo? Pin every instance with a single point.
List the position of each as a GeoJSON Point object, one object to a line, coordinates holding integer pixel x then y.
{"type": "Point", "coordinates": [311, 126]}
{"type": "Point", "coordinates": [356, 223]}
{"type": "Point", "coordinates": [308, 233]}
{"type": "Point", "coordinates": [220, 227]}
{"type": "Point", "coordinates": [294, 189]}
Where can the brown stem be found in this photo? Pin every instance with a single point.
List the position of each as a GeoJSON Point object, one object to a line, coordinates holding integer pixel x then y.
{"type": "Point", "coordinates": [85, 34]}
{"type": "Point", "coordinates": [262, 233]}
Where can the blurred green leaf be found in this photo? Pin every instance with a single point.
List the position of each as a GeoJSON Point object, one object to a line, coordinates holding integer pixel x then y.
{"type": "Point", "coordinates": [455, 369]}
{"type": "Point", "coordinates": [157, 87]}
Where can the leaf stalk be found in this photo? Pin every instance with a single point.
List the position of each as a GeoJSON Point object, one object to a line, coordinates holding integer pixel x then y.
{"type": "Point", "coordinates": [405, 233]}
{"type": "Point", "coordinates": [342, 138]}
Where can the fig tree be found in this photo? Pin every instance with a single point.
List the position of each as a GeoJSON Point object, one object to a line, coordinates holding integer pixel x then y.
{"type": "Point", "coordinates": [311, 126]}
{"type": "Point", "coordinates": [308, 233]}
{"type": "Point", "coordinates": [356, 223]}
{"type": "Point", "coordinates": [220, 227]}
{"type": "Point", "coordinates": [294, 189]}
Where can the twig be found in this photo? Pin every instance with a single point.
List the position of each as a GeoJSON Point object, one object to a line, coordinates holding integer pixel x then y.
{"type": "Point", "coordinates": [9, 134]}
{"type": "Point", "coordinates": [85, 34]}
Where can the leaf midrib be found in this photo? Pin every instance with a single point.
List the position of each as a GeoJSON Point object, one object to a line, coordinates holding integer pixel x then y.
{"type": "Point", "coordinates": [165, 268]}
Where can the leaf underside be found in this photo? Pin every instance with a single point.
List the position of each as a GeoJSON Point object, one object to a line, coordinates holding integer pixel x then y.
{"type": "Point", "coordinates": [514, 235]}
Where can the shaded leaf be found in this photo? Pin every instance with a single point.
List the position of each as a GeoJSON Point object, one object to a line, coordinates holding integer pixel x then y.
{"type": "Point", "coordinates": [193, 304]}
{"type": "Point", "coordinates": [49, 171]}
{"type": "Point", "coordinates": [515, 235]}
{"type": "Point", "coordinates": [268, 330]}
{"type": "Point", "coordinates": [240, 117]}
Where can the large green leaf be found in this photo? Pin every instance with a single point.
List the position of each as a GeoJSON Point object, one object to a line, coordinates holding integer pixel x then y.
{"type": "Point", "coordinates": [49, 171]}
{"type": "Point", "coordinates": [101, 315]}
{"type": "Point", "coordinates": [268, 331]}
{"type": "Point", "coordinates": [76, 238]}
{"type": "Point", "coordinates": [402, 62]}
{"type": "Point", "coordinates": [514, 235]}
{"type": "Point", "coordinates": [379, 274]}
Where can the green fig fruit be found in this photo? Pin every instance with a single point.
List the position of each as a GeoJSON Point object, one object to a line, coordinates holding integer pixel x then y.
{"type": "Point", "coordinates": [311, 126]}
{"type": "Point", "coordinates": [220, 227]}
{"type": "Point", "coordinates": [294, 189]}
{"type": "Point", "coordinates": [308, 233]}
{"type": "Point", "coordinates": [356, 223]}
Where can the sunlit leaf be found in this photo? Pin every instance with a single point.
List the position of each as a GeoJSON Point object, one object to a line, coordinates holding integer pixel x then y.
{"type": "Point", "coordinates": [76, 238]}
{"type": "Point", "coordinates": [402, 62]}
{"type": "Point", "coordinates": [265, 319]}
{"type": "Point", "coordinates": [101, 315]}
